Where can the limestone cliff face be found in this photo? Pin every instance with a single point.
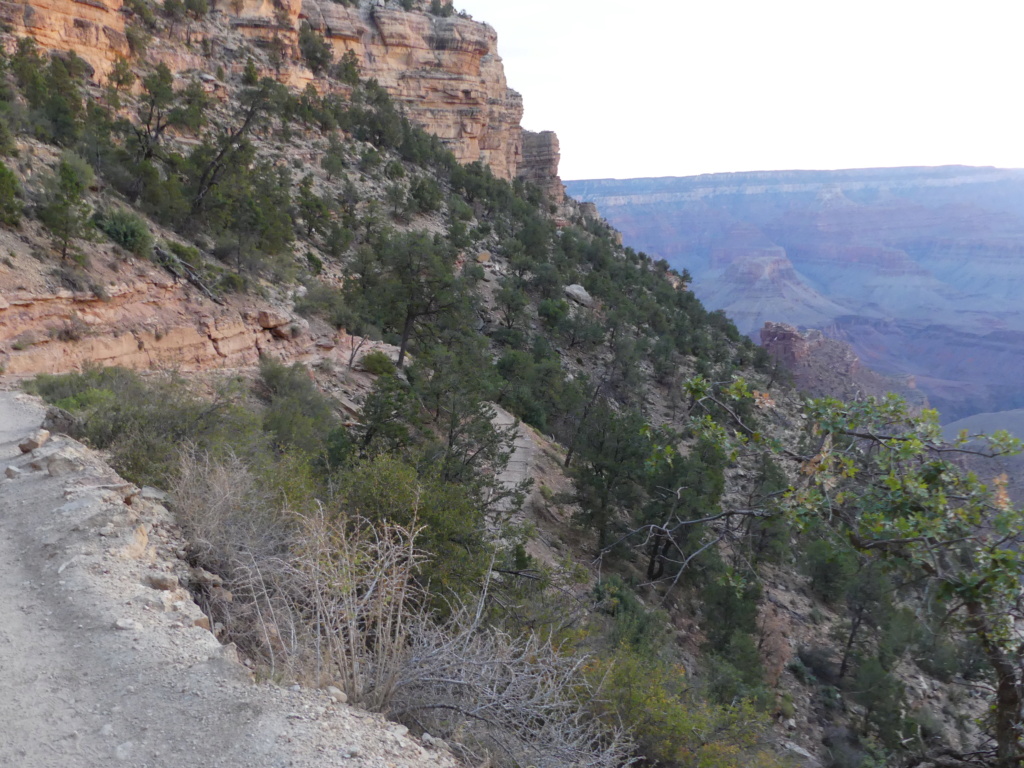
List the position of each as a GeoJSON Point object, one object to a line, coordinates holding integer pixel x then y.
{"type": "Point", "coordinates": [94, 29]}
{"type": "Point", "coordinates": [539, 164]}
{"type": "Point", "coordinates": [445, 72]}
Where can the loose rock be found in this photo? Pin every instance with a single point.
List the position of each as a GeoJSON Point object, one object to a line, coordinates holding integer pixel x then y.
{"type": "Point", "coordinates": [337, 694]}
{"type": "Point", "coordinates": [269, 319]}
{"type": "Point", "coordinates": [149, 493]}
{"type": "Point", "coordinates": [59, 464]}
{"type": "Point", "coordinates": [162, 581]}
{"type": "Point", "coordinates": [36, 440]}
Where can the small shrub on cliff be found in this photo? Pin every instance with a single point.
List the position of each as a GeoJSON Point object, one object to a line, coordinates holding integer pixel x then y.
{"type": "Point", "coordinates": [378, 363]}
{"type": "Point", "coordinates": [10, 206]}
{"type": "Point", "coordinates": [314, 49]}
{"type": "Point", "coordinates": [437, 8]}
{"type": "Point", "coordinates": [347, 69]}
{"type": "Point", "coordinates": [144, 11]}
{"type": "Point", "coordinates": [127, 229]}
{"type": "Point", "coordinates": [174, 10]}
{"type": "Point", "coordinates": [326, 302]}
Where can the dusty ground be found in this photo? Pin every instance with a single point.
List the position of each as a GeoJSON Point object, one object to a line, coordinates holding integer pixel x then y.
{"type": "Point", "coordinates": [98, 668]}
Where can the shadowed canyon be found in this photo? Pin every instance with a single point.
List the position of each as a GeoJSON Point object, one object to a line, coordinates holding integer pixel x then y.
{"type": "Point", "coordinates": [919, 269]}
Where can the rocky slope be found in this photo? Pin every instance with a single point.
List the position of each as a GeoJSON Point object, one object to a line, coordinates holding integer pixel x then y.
{"type": "Point", "coordinates": [918, 269]}
{"type": "Point", "coordinates": [138, 316]}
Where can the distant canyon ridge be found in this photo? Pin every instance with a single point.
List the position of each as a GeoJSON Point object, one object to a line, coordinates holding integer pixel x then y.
{"type": "Point", "coordinates": [920, 270]}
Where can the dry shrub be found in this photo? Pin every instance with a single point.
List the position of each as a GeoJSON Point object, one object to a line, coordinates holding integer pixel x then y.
{"type": "Point", "coordinates": [237, 531]}
{"type": "Point", "coordinates": [359, 602]}
{"type": "Point", "coordinates": [335, 601]}
{"type": "Point", "coordinates": [517, 699]}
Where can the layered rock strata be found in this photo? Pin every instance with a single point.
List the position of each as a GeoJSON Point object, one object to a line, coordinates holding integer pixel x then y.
{"type": "Point", "coordinates": [93, 29]}
{"type": "Point", "coordinates": [444, 71]}
{"type": "Point", "coordinates": [539, 164]}
{"type": "Point", "coordinates": [149, 322]}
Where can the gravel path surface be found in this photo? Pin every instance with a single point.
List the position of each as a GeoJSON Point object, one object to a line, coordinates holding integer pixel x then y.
{"type": "Point", "coordinates": [98, 667]}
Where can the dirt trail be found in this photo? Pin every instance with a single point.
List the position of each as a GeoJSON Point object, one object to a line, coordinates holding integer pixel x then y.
{"type": "Point", "coordinates": [98, 668]}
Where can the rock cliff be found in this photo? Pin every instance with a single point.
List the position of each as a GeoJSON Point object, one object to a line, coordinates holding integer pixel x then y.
{"type": "Point", "coordinates": [825, 367]}
{"type": "Point", "coordinates": [540, 164]}
{"type": "Point", "coordinates": [444, 71]}
{"type": "Point", "coordinates": [94, 29]}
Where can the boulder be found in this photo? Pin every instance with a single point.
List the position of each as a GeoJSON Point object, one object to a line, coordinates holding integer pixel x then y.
{"type": "Point", "coordinates": [60, 464]}
{"type": "Point", "coordinates": [295, 328]}
{"type": "Point", "coordinates": [579, 294]}
{"type": "Point", "coordinates": [60, 421]}
{"type": "Point", "coordinates": [149, 493]}
{"type": "Point", "coordinates": [269, 319]}
{"type": "Point", "coordinates": [36, 440]}
{"type": "Point", "coordinates": [166, 582]}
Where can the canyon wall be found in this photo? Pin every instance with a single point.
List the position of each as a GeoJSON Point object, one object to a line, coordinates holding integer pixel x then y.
{"type": "Point", "coordinates": [94, 29]}
{"type": "Point", "coordinates": [445, 72]}
{"type": "Point", "coordinates": [919, 270]}
{"type": "Point", "coordinates": [825, 367]}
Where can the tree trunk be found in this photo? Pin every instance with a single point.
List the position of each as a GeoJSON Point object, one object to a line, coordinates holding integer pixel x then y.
{"type": "Point", "coordinates": [854, 627]}
{"type": "Point", "coordinates": [1009, 700]}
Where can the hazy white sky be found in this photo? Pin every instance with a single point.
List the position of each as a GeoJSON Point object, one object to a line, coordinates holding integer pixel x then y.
{"type": "Point", "coordinates": [680, 87]}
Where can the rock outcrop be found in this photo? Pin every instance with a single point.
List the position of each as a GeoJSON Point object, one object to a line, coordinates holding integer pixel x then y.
{"type": "Point", "coordinates": [93, 29]}
{"type": "Point", "coordinates": [825, 367]}
{"type": "Point", "coordinates": [146, 322]}
{"type": "Point", "coordinates": [539, 164]}
{"type": "Point", "coordinates": [444, 71]}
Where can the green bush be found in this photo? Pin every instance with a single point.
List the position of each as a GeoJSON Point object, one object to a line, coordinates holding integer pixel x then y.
{"type": "Point", "coordinates": [127, 229]}
{"type": "Point", "coordinates": [326, 302]}
{"type": "Point", "coordinates": [315, 50]}
{"type": "Point", "coordinates": [452, 533]}
{"type": "Point", "coordinates": [831, 569]}
{"type": "Point", "coordinates": [378, 363]}
{"type": "Point", "coordinates": [10, 206]}
{"type": "Point", "coordinates": [671, 724]}
{"type": "Point", "coordinates": [298, 415]}
{"type": "Point", "coordinates": [143, 423]}
{"type": "Point", "coordinates": [881, 694]}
